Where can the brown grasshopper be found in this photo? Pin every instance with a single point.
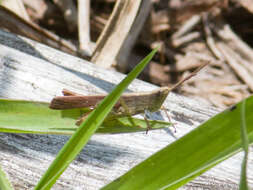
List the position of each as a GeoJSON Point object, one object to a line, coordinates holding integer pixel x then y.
{"type": "Point", "coordinates": [128, 105]}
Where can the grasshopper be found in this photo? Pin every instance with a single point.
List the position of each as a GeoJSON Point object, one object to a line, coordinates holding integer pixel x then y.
{"type": "Point", "coordinates": [128, 105]}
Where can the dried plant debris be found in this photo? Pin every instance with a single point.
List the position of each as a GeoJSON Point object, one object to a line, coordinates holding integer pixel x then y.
{"type": "Point", "coordinates": [189, 32]}
{"type": "Point", "coordinates": [201, 33]}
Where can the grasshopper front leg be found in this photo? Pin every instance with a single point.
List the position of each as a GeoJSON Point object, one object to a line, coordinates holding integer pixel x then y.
{"type": "Point", "coordinates": [148, 124]}
{"type": "Point", "coordinates": [169, 118]}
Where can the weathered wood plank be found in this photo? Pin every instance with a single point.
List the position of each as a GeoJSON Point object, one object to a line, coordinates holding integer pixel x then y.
{"type": "Point", "coordinates": [29, 70]}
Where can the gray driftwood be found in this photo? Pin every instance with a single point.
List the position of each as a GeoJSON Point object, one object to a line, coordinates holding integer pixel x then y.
{"type": "Point", "coordinates": [32, 71]}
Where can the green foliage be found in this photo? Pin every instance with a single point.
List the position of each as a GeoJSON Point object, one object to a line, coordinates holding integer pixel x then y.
{"type": "Point", "coordinates": [212, 142]}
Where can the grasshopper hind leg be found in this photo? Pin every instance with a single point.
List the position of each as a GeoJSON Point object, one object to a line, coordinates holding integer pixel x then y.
{"type": "Point", "coordinates": [83, 117]}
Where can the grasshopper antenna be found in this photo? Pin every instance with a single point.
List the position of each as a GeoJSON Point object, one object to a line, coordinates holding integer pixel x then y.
{"type": "Point", "coordinates": [189, 76]}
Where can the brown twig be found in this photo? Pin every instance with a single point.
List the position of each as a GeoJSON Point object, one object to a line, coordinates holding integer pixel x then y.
{"type": "Point", "coordinates": [187, 26]}
{"type": "Point", "coordinates": [186, 39]}
{"type": "Point", "coordinates": [209, 38]}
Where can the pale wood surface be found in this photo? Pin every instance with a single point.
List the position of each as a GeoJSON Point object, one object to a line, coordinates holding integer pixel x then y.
{"type": "Point", "coordinates": [32, 71]}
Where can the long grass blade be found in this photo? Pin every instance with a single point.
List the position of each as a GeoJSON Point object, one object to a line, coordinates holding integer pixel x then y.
{"type": "Point", "coordinates": [4, 182]}
{"type": "Point", "coordinates": [245, 146]}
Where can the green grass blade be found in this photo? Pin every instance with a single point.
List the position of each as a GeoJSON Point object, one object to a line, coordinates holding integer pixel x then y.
{"type": "Point", "coordinates": [4, 182]}
{"type": "Point", "coordinates": [20, 116]}
{"type": "Point", "coordinates": [75, 144]}
{"type": "Point", "coordinates": [209, 144]}
{"type": "Point", "coordinates": [245, 145]}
